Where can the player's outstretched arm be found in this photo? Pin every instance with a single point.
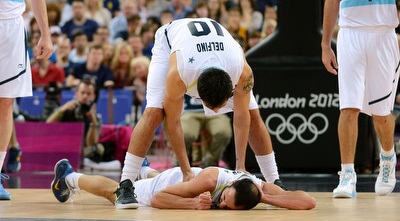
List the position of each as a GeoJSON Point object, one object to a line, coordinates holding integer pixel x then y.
{"type": "Point", "coordinates": [294, 200]}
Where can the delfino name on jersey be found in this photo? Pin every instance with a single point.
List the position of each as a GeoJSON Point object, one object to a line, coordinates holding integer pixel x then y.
{"type": "Point", "coordinates": [210, 46]}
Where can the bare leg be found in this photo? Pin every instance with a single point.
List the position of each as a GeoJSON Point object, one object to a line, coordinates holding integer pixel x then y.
{"type": "Point", "coordinates": [259, 138]}
{"type": "Point", "coordinates": [348, 133]}
{"type": "Point", "coordinates": [143, 134]}
{"type": "Point", "coordinates": [6, 121]}
{"type": "Point", "coordinates": [384, 127]}
{"type": "Point", "coordinates": [13, 141]}
{"type": "Point", "coordinates": [99, 186]}
{"type": "Point", "coordinates": [141, 139]}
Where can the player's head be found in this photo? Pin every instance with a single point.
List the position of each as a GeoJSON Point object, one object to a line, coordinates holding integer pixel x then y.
{"type": "Point", "coordinates": [241, 195]}
{"type": "Point", "coordinates": [215, 87]}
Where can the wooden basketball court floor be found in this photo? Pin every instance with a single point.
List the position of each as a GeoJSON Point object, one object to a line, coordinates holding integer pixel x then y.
{"type": "Point", "coordinates": [32, 199]}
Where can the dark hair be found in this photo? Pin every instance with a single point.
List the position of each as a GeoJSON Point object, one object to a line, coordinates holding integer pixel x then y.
{"type": "Point", "coordinates": [54, 7]}
{"type": "Point", "coordinates": [77, 33]}
{"type": "Point", "coordinates": [215, 87]}
{"type": "Point", "coordinates": [247, 194]}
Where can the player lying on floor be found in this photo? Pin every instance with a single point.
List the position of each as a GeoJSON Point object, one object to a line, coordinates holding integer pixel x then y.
{"type": "Point", "coordinates": [211, 188]}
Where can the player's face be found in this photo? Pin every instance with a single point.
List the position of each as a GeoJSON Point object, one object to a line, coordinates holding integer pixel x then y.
{"type": "Point", "coordinates": [227, 200]}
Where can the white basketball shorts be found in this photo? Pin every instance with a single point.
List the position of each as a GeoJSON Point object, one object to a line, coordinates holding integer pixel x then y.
{"type": "Point", "coordinates": [15, 71]}
{"type": "Point", "coordinates": [368, 60]}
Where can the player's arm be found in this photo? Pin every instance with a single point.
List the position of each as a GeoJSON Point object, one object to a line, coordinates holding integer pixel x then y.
{"type": "Point", "coordinates": [45, 46]}
{"type": "Point", "coordinates": [194, 194]}
{"type": "Point", "coordinates": [241, 115]}
{"type": "Point", "coordinates": [331, 12]}
{"type": "Point", "coordinates": [173, 104]}
{"type": "Point", "coordinates": [294, 200]}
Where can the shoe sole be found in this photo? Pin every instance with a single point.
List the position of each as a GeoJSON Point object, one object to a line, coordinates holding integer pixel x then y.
{"type": "Point", "coordinates": [345, 195]}
{"type": "Point", "coordinates": [55, 178]}
{"type": "Point", "coordinates": [384, 194]}
{"type": "Point", "coordinates": [127, 206]}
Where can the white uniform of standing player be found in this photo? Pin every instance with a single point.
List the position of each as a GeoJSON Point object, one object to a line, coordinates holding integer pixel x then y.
{"type": "Point", "coordinates": [146, 189]}
{"type": "Point", "coordinates": [15, 76]}
{"type": "Point", "coordinates": [367, 63]}
{"type": "Point", "coordinates": [220, 52]}
{"type": "Point", "coordinates": [368, 72]}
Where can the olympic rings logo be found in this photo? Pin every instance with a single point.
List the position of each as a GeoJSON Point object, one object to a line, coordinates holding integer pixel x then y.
{"type": "Point", "coordinates": [297, 132]}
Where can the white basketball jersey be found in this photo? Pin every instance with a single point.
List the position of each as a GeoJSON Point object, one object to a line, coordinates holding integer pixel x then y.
{"type": "Point", "coordinates": [200, 44]}
{"type": "Point", "coordinates": [146, 189]}
{"type": "Point", "coordinates": [368, 13]}
{"type": "Point", "coordinates": [10, 9]}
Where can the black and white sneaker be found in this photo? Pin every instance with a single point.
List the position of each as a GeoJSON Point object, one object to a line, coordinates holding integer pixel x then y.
{"type": "Point", "coordinates": [125, 197]}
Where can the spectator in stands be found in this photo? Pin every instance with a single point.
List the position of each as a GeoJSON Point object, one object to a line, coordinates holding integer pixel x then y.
{"type": "Point", "coordinates": [108, 49]}
{"type": "Point", "coordinates": [254, 39]}
{"type": "Point", "coordinates": [179, 9]}
{"type": "Point", "coordinates": [97, 12]}
{"type": "Point", "coordinates": [270, 13]}
{"type": "Point", "coordinates": [120, 22]}
{"type": "Point", "coordinates": [101, 36]}
{"type": "Point", "coordinates": [218, 128]}
{"type": "Point", "coordinates": [147, 35]}
{"type": "Point", "coordinates": [62, 52]}
{"type": "Point", "coordinates": [112, 6]}
{"type": "Point", "coordinates": [79, 52]}
{"type": "Point", "coordinates": [79, 21]}
{"type": "Point", "coordinates": [217, 11]}
{"type": "Point", "coordinates": [268, 28]}
{"type": "Point", "coordinates": [136, 43]}
{"type": "Point", "coordinates": [120, 65]}
{"type": "Point", "coordinates": [92, 69]}
{"type": "Point", "coordinates": [234, 23]}
{"type": "Point", "coordinates": [166, 17]}
{"type": "Point", "coordinates": [201, 9]}
{"type": "Point", "coordinates": [53, 14]}
{"type": "Point", "coordinates": [55, 32]}
{"type": "Point", "coordinates": [82, 109]}
{"type": "Point", "coordinates": [66, 11]}
{"type": "Point", "coordinates": [140, 68]}
{"type": "Point", "coordinates": [134, 27]}
{"type": "Point", "coordinates": [155, 7]}
{"type": "Point", "coordinates": [251, 18]}
{"type": "Point", "coordinates": [46, 72]}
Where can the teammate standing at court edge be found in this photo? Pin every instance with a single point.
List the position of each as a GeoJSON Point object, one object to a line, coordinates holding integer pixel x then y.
{"type": "Point", "coordinates": [200, 58]}
{"type": "Point", "coordinates": [15, 71]}
{"type": "Point", "coordinates": [367, 67]}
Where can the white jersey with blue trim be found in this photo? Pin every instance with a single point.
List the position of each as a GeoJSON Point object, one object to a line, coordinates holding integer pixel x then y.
{"type": "Point", "coordinates": [10, 9]}
{"type": "Point", "coordinates": [200, 44]}
{"type": "Point", "coordinates": [368, 13]}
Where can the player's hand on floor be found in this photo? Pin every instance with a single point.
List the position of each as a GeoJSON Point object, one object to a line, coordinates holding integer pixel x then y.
{"type": "Point", "coordinates": [204, 201]}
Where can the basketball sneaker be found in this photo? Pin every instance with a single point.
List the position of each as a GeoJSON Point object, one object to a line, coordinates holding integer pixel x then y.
{"type": "Point", "coordinates": [59, 186]}
{"type": "Point", "coordinates": [4, 195]}
{"type": "Point", "coordinates": [347, 185]}
{"type": "Point", "coordinates": [125, 197]}
{"type": "Point", "coordinates": [279, 183]}
{"type": "Point", "coordinates": [14, 159]}
{"type": "Point", "coordinates": [386, 180]}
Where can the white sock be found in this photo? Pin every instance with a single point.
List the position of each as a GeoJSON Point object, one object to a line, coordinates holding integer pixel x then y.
{"type": "Point", "coordinates": [347, 166]}
{"type": "Point", "coordinates": [72, 180]}
{"type": "Point", "coordinates": [131, 168]}
{"type": "Point", "coordinates": [2, 157]}
{"type": "Point", "coordinates": [387, 153]}
{"type": "Point", "coordinates": [268, 167]}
